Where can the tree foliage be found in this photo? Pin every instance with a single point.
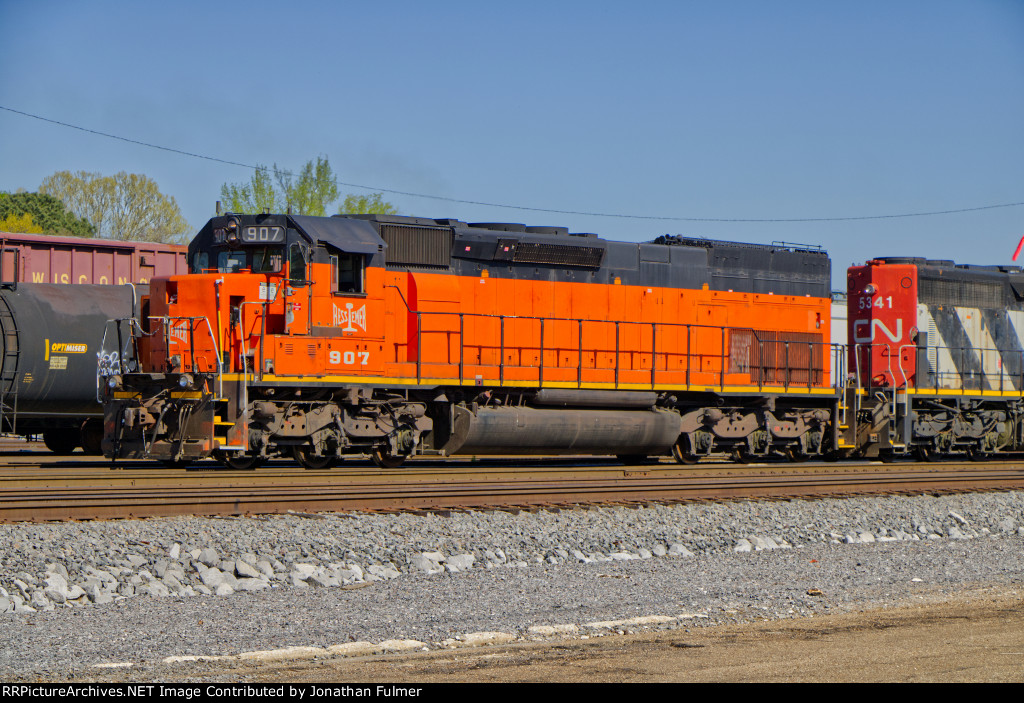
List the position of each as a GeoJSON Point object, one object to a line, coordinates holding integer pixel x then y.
{"type": "Point", "coordinates": [315, 188]}
{"type": "Point", "coordinates": [254, 197]}
{"type": "Point", "coordinates": [20, 223]}
{"type": "Point", "coordinates": [45, 212]}
{"type": "Point", "coordinates": [371, 204]}
{"type": "Point", "coordinates": [125, 206]}
{"type": "Point", "coordinates": [309, 192]}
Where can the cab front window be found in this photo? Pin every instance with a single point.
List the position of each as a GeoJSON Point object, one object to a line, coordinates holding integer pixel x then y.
{"type": "Point", "coordinates": [200, 262]}
{"type": "Point", "coordinates": [267, 260]}
{"type": "Point", "coordinates": [230, 261]}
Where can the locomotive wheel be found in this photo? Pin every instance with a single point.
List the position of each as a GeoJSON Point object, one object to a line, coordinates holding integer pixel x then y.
{"type": "Point", "coordinates": [681, 455]}
{"type": "Point", "coordinates": [306, 459]}
{"type": "Point", "coordinates": [924, 454]}
{"type": "Point", "coordinates": [92, 437]}
{"type": "Point", "coordinates": [237, 461]}
{"type": "Point", "coordinates": [742, 455]}
{"type": "Point", "coordinates": [977, 454]}
{"type": "Point", "coordinates": [61, 441]}
{"type": "Point", "coordinates": [796, 456]}
{"type": "Point", "coordinates": [386, 460]}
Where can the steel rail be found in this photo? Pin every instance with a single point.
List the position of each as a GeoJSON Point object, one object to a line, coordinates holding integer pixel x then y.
{"type": "Point", "coordinates": [60, 494]}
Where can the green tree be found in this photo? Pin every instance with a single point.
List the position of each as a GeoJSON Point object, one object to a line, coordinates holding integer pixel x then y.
{"type": "Point", "coordinates": [47, 213]}
{"type": "Point", "coordinates": [371, 204]}
{"type": "Point", "coordinates": [309, 192]}
{"type": "Point", "coordinates": [125, 206]}
{"type": "Point", "coordinates": [315, 188]}
{"type": "Point", "coordinates": [254, 197]}
{"type": "Point", "coordinates": [20, 223]}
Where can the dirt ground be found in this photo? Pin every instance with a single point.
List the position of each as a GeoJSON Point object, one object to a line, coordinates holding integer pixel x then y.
{"type": "Point", "coordinates": [975, 638]}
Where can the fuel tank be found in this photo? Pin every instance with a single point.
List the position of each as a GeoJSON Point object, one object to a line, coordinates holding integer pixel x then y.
{"type": "Point", "coordinates": [524, 430]}
{"type": "Point", "coordinates": [49, 337]}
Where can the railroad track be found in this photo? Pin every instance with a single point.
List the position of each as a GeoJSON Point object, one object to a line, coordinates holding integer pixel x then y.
{"type": "Point", "coordinates": [42, 488]}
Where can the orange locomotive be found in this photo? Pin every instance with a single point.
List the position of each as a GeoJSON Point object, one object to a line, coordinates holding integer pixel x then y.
{"type": "Point", "coordinates": [320, 337]}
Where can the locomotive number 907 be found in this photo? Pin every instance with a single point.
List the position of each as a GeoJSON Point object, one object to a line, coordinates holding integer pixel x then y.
{"type": "Point", "coordinates": [349, 358]}
{"type": "Point", "coordinates": [261, 235]}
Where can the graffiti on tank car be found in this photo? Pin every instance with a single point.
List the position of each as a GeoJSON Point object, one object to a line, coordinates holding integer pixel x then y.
{"type": "Point", "coordinates": [877, 325]}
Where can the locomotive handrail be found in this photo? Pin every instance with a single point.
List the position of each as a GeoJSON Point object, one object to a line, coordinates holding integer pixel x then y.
{"type": "Point", "coordinates": [958, 380]}
{"type": "Point", "coordinates": [213, 340]}
{"type": "Point", "coordinates": [783, 375]}
{"type": "Point", "coordinates": [134, 328]}
{"type": "Point", "coordinates": [977, 367]}
{"type": "Point", "coordinates": [103, 360]}
{"type": "Point", "coordinates": [257, 373]}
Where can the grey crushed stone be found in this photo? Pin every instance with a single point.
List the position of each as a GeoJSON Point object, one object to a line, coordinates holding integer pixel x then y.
{"type": "Point", "coordinates": [295, 580]}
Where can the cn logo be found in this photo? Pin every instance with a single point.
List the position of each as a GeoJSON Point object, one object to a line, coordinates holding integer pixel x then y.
{"type": "Point", "coordinates": [349, 317]}
{"type": "Point", "coordinates": [876, 326]}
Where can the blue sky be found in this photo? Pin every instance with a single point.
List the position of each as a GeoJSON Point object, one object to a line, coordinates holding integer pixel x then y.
{"type": "Point", "coordinates": [720, 110]}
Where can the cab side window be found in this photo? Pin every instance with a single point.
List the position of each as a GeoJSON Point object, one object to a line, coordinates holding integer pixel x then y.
{"type": "Point", "coordinates": [347, 272]}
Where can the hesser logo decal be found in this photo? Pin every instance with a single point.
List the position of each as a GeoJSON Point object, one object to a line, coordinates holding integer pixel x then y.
{"type": "Point", "coordinates": [350, 317]}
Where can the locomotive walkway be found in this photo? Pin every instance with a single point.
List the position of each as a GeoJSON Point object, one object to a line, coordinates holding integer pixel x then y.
{"type": "Point", "coordinates": [36, 486]}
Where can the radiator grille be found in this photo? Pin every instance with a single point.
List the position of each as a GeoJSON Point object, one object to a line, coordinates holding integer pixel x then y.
{"type": "Point", "coordinates": [417, 246]}
{"type": "Point", "coordinates": [967, 294]}
{"type": "Point", "coordinates": [537, 253]}
{"type": "Point", "coordinates": [777, 357]}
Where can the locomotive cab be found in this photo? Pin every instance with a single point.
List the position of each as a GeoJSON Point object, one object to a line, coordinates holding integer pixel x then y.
{"type": "Point", "coordinates": [270, 299]}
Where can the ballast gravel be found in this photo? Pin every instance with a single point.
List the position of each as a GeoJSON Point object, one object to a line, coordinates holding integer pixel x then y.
{"type": "Point", "coordinates": [152, 593]}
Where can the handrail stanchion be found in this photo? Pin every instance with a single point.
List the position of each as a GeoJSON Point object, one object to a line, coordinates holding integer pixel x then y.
{"type": "Point", "coordinates": [721, 361]}
{"type": "Point", "coordinates": [654, 352]}
{"type": "Point", "coordinates": [616, 355]}
{"type": "Point", "coordinates": [540, 371]}
{"type": "Point", "coordinates": [688, 359]}
{"type": "Point", "coordinates": [579, 366]}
